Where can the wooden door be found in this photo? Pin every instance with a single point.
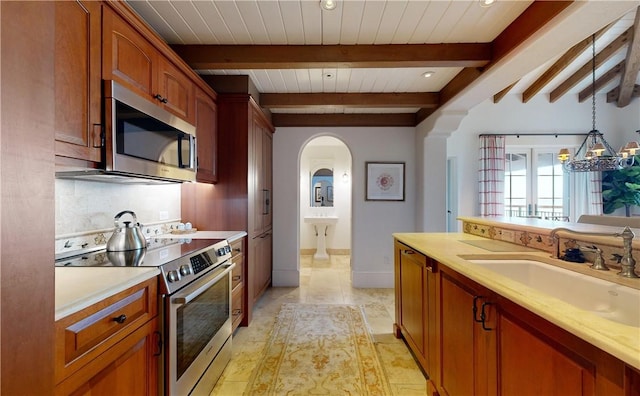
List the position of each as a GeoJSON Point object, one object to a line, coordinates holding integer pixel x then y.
{"type": "Point", "coordinates": [127, 57]}
{"type": "Point", "coordinates": [457, 339]}
{"type": "Point", "coordinates": [78, 43]}
{"type": "Point", "coordinates": [260, 276]}
{"type": "Point", "coordinates": [267, 167]}
{"type": "Point", "coordinates": [468, 337]}
{"type": "Point", "coordinates": [206, 138]}
{"type": "Point", "coordinates": [175, 91]}
{"type": "Point", "coordinates": [256, 176]}
{"type": "Point", "coordinates": [531, 366]}
{"type": "Point", "coordinates": [413, 297]}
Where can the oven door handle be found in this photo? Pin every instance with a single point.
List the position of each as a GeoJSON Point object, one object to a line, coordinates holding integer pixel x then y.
{"type": "Point", "coordinates": [191, 293]}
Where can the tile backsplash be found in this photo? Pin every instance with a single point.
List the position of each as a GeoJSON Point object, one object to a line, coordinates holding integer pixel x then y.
{"type": "Point", "coordinates": [84, 207]}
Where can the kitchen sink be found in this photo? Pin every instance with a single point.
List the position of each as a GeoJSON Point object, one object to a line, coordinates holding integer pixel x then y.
{"type": "Point", "coordinates": [606, 299]}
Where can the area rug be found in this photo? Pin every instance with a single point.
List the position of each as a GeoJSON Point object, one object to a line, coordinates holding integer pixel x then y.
{"type": "Point", "coordinates": [319, 349]}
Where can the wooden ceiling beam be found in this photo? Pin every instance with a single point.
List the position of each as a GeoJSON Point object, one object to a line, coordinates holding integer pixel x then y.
{"type": "Point", "coordinates": [498, 97]}
{"type": "Point", "coordinates": [208, 57]}
{"type": "Point", "coordinates": [601, 82]}
{"type": "Point", "coordinates": [612, 96]}
{"type": "Point", "coordinates": [565, 60]}
{"type": "Point", "coordinates": [538, 14]}
{"type": "Point", "coordinates": [349, 100]}
{"type": "Point", "coordinates": [343, 120]}
{"type": "Point", "coordinates": [587, 68]}
{"type": "Point", "coordinates": [534, 18]}
{"type": "Point", "coordinates": [632, 65]}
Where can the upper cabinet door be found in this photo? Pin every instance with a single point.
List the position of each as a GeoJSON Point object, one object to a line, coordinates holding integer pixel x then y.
{"type": "Point", "coordinates": [78, 122]}
{"type": "Point", "coordinates": [206, 138]}
{"type": "Point", "coordinates": [176, 91]}
{"type": "Point", "coordinates": [127, 57]}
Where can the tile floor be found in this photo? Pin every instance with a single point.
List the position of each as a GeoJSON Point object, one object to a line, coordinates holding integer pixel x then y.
{"type": "Point", "coordinates": [324, 282]}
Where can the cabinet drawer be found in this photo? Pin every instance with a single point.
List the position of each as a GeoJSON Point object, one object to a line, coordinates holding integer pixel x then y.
{"type": "Point", "coordinates": [237, 275]}
{"type": "Point", "coordinates": [82, 336]}
{"type": "Point", "coordinates": [237, 313]}
{"type": "Point", "coordinates": [237, 248]}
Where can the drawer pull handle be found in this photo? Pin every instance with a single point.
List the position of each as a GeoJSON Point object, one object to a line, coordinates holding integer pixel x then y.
{"type": "Point", "coordinates": [237, 312]}
{"type": "Point", "coordinates": [120, 319]}
{"type": "Point", "coordinates": [236, 278]}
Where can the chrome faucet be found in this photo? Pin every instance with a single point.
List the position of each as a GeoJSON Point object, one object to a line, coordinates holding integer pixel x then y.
{"type": "Point", "coordinates": [627, 262]}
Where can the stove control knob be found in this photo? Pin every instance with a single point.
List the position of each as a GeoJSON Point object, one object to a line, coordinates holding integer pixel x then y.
{"type": "Point", "coordinates": [185, 270]}
{"type": "Point", "coordinates": [173, 276]}
{"type": "Point", "coordinates": [220, 252]}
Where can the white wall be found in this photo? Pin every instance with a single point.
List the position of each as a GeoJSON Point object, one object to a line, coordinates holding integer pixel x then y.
{"type": "Point", "coordinates": [372, 222]}
{"type": "Point", "coordinates": [510, 115]}
{"type": "Point", "coordinates": [339, 159]}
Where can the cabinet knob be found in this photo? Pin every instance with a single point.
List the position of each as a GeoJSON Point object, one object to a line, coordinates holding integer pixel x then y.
{"type": "Point", "coordinates": [120, 319]}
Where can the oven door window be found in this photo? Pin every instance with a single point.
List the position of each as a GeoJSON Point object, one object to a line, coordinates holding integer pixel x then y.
{"type": "Point", "coordinates": [198, 321]}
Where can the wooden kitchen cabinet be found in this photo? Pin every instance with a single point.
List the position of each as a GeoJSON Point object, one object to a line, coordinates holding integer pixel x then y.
{"type": "Point", "coordinates": [111, 347]}
{"type": "Point", "coordinates": [486, 344]}
{"type": "Point", "coordinates": [241, 198]}
{"type": "Point", "coordinates": [238, 299]}
{"type": "Point", "coordinates": [207, 138]}
{"type": "Point", "coordinates": [261, 152]}
{"type": "Point", "coordinates": [260, 268]}
{"type": "Point", "coordinates": [128, 368]}
{"type": "Point", "coordinates": [416, 290]}
{"type": "Point", "coordinates": [134, 62]}
{"type": "Point", "coordinates": [528, 365]}
{"type": "Point", "coordinates": [467, 336]}
{"type": "Point", "coordinates": [78, 120]}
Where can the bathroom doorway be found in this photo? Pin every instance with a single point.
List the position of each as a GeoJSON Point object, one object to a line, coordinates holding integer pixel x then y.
{"type": "Point", "coordinates": [325, 204]}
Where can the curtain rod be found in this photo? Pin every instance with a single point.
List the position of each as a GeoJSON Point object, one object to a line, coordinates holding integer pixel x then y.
{"type": "Point", "coordinates": [533, 134]}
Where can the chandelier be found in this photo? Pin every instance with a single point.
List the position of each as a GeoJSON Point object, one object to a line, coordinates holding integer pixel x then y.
{"type": "Point", "coordinates": [595, 154]}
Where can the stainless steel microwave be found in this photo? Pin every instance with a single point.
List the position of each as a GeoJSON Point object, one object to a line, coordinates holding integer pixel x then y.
{"type": "Point", "coordinates": [143, 142]}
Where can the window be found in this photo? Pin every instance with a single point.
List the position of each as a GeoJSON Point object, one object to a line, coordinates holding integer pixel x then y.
{"type": "Point", "coordinates": [535, 184]}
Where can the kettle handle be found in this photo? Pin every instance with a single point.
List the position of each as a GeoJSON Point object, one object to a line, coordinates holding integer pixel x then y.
{"type": "Point", "coordinates": [124, 212]}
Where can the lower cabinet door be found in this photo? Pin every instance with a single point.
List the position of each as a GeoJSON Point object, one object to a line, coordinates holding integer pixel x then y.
{"type": "Point", "coordinates": [130, 367]}
{"type": "Point", "coordinates": [531, 366]}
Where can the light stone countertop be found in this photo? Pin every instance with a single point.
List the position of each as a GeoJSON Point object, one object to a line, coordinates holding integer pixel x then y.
{"type": "Point", "coordinates": [79, 287]}
{"type": "Point", "coordinates": [619, 340]}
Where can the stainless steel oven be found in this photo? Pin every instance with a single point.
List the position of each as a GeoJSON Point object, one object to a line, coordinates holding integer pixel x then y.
{"type": "Point", "coordinates": [195, 296]}
{"type": "Point", "coordinates": [199, 333]}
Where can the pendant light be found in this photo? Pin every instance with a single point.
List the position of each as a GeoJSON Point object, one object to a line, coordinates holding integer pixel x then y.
{"type": "Point", "coordinates": [594, 154]}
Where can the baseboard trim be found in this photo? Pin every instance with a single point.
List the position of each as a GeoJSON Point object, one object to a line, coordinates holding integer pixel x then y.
{"type": "Point", "coordinates": [340, 252]}
{"type": "Point", "coordinates": [375, 280]}
{"type": "Point", "coordinates": [289, 278]}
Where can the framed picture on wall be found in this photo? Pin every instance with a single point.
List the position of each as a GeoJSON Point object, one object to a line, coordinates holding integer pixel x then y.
{"type": "Point", "coordinates": [330, 193]}
{"type": "Point", "coordinates": [318, 194]}
{"type": "Point", "coordinates": [384, 181]}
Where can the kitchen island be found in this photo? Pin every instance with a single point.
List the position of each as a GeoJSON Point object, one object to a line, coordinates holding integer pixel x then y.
{"type": "Point", "coordinates": [603, 354]}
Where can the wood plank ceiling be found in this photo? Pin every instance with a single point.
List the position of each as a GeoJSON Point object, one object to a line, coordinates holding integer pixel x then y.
{"type": "Point", "coordinates": [363, 62]}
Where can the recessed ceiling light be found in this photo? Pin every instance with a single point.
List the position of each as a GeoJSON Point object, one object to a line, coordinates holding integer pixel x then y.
{"type": "Point", "coordinates": [486, 3]}
{"type": "Point", "coordinates": [328, 4]}
{"type": "Point", "coordinates": [328, 75]}
{"type": "Point", "coordinates": [428, 74]}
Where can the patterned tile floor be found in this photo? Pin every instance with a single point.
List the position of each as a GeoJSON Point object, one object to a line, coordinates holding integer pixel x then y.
{"type": "Point", "coordinates": [324, 282]}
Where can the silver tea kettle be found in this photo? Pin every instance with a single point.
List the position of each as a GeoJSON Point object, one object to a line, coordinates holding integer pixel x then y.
{"type": "Point", "coordinates": [126, 236]}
